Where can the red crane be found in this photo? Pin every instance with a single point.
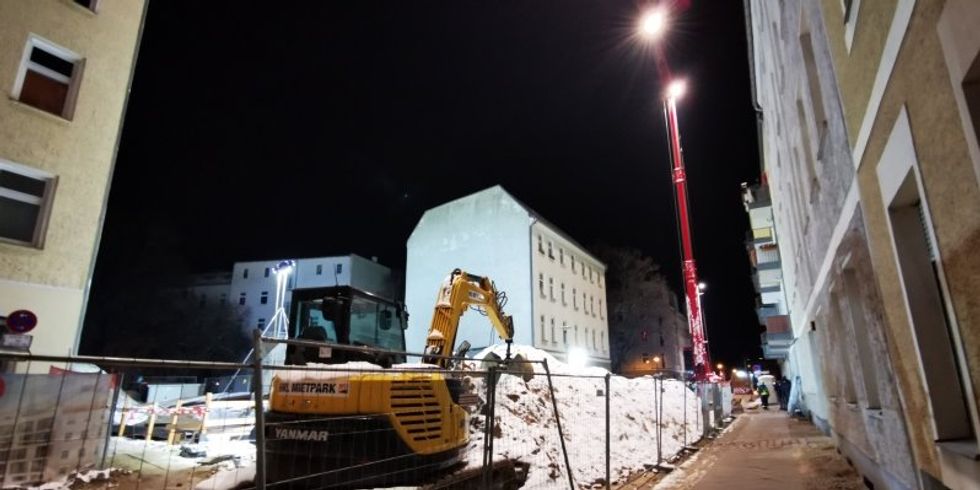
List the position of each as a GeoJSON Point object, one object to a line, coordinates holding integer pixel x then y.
{"type": "Point", "coordinates": [692, 293]}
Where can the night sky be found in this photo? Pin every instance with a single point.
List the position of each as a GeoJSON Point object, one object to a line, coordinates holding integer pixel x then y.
{"type": "Point", "coordinates": [322, 128]}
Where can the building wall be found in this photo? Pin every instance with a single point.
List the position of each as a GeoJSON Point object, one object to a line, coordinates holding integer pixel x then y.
{"type": "Point", "coordinates": [918, 127]}
{"type": "Point", "coordinates": [487, 234]}
{"type": "Point", "coordinates": [569, 301]}
{"type": "Point", "coordinates": [253, 284]}
{"type": "Point", "coordinates": [813, 109]}
{"type": "Point", "coordinates": [52, 280]}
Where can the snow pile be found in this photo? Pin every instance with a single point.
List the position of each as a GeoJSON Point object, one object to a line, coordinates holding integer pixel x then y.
{"type": "Point", "coordinates": [68, 482]}
{"type": "Point", "coordinates": [526, 428]}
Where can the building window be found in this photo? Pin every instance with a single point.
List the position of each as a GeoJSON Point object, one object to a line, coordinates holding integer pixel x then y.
{"type": "Point", "coordinates": [854, 317]}
{"type": "Point", "coordinates": [564, 333]}
{"type": "Point", "coordinates": [260, 324]}
{"type": "Point", "coordinates": [573, 262]}
{"type": "Point", "coordinates": [584, 307]}
{"type": "Point", "coordinates": [932, 322]}
{"type": "Point", "coordinates": [89, 4]}
{"type": "Point", "coordinates": [553, 341]}
{"type": "Point", "coordinates": [599, 280]}
{"type": "Point", "coordinates": [576, 335]}
{"type": "Point", "coordinates": [602, 340]}
{"type": "Point", "coordinates": [851, 9]}
{"type": "Point", "coordinates": [575, 299]}
{"type": "Point", "coordinates": [245, 273]}
{"type": "Point", "coordinates": [601, 316]}
{"type": "Point", "coordinates": [241, 299]}
{"type": "Point", "coordinates": [25, 203]}
{"type": "Point", "coordinates": [540, 244]}
{"type": "Point", "coordinates": [971, 92]}
{"type": "Point", "coordinates": [563, 302]}
{"type": "Point", "coordinates": [264, 298]}
{"type": "Point", "coordinates": [541, 284]}
{"type": "Point", "coordinates": [551, 251]}
{"type": "Point", "coordinates": [593, 342]}
{"type": "Point", "coordinates": [544, 337]}
{"type": "Point", "coordinates": [48, 78]}
{"type": "Point", "coordinates": [592, 305]}
{"type": "Point", "coordinates": [583, 270]}
{"type": "Point", "coordinates": [591, 275]}
{"type": "Point", "coordinates": [319, 269]}
{"type": "Point", "coordinates": [551, 288]}
{"type": "Point", "coordinates": [561, 256]}
{"type": "Point", "coordinates": [338, 269]}
{"type": "Point", "coordinates": [266, 272]}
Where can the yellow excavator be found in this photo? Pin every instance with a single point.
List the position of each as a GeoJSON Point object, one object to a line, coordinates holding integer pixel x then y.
{"type": "Point", "coordinates": [403, 425]}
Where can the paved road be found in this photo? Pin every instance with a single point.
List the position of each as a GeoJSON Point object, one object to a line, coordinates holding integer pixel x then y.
{"type": "Point", "coordinates": [766, 450]}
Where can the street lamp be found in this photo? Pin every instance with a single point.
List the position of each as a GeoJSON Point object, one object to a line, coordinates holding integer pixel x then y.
{"type": "Point", "coordinates": [676, 90]}
{"type": "Point", "coordinates": [653, 23]}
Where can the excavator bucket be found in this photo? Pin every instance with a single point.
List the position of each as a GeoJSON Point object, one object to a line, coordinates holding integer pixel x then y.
{"type": "Point", "coordinates": [517, 365]}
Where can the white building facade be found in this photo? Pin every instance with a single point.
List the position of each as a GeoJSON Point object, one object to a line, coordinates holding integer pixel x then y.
{"type": "Point", "coordinates": [252, 285]}
{"type": "Point", "coordinates": [555, 288]}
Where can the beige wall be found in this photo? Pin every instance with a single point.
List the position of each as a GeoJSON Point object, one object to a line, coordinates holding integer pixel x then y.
{"type": "Point", "coordinates": [920, 82]}
{"type": "Point", "coordinates": [566, 312]}
{"type": "Point", "coordinates": [79, 152]}
{"type": "Point", "coordinates": [856, 69]}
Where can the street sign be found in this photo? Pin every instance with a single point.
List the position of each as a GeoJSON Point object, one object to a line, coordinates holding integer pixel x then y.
{"type": "Point", "coordinates": [21, 321]}
{"type": "Point", "coordinates": [14, 341]}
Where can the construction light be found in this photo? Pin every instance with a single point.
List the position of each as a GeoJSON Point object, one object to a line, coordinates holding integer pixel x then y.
{"type": "Point", "coordinates": [653, 23]}
{"type": "Point", "coordinates": [676, 89]}
{"type": "Point", "coordinates": [577, 357]}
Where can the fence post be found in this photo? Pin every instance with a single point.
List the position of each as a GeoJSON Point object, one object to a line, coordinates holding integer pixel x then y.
{"type": "Point", "coordinates": [657, 404]}
{"type": "Point", "coordinates": [684, 395]}
{"type": "Point", "coordinates": [259, 410]}
{"type": "Point", "coordinates": [174, 419]}
{"type": "Point", "coordinates": [488, 426]}
{"type": "Point", "coordinates": [608, 416]}
{"type": "Point", "coordinates": [152, 423]}
{"type": "Point", "coordinates": [561, 434]}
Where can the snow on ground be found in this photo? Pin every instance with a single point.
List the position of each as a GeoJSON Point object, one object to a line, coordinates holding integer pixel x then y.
{"type": "Point", "coordinates": [527, 429]}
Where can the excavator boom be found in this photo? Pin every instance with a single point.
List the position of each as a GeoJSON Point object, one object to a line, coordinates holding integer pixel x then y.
{"type": "Point", "coordinates": [460, 291]}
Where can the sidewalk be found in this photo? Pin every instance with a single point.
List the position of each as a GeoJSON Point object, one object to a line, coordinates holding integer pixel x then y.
{"type": "Point", "coordinates": [765, 450]}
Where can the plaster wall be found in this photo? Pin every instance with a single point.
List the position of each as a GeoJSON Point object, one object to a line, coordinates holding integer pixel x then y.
{"type": "Point", "coordinates": [80, 152]}
{"type": "Point", "coordinates": [486, 233]}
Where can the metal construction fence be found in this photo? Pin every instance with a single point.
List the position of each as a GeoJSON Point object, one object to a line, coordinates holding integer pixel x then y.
{"type": "Point", "coordinates": [474, 423]}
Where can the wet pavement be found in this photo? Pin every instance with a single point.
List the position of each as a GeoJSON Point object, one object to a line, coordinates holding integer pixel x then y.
{"type": "Point", "coordinates": [765, 450]}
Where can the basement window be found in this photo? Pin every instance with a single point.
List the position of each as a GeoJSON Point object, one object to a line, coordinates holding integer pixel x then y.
{"type": "Point", "coordinates": [25, 203]}
{"type": "Point", "coordinates": [49, 77]}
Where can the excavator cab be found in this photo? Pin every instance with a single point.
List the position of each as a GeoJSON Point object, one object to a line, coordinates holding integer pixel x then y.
{"type": "Point", "coordinates": [347, 316]}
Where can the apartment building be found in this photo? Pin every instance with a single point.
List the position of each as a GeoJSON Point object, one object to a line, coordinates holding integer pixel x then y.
{"type": "Point", "coordinates": [762, 244]}
{"type": "Point", "coordinates": [837, 350]}
{"type": "Point", "coordinates": [555, 288]}
{"type": "Point", "coordinates": [251, 285]}
{"type": "Point", "coordinates": [66, 67]}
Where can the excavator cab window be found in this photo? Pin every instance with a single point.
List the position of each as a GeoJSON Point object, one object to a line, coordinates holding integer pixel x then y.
{"type": "Point", "coordinates": [347, 316]}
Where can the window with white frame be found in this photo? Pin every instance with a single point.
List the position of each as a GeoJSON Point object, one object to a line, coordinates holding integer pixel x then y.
{"type": "Point", "coordinates": [48, 78]}
{"type": "Point", "coordinates": [25, 203]}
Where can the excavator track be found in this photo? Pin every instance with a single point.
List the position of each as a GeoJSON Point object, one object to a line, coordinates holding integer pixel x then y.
{"type": "Point", "coordinates": [504, 475]}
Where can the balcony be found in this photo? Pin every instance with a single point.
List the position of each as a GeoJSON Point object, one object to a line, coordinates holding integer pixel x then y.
{"type": "Point", "coordinates": [767, 311]}
{"type": "Point", "coordinates": [776, 345]}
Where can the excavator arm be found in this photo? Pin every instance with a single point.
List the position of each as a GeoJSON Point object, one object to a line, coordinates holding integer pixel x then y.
{"type": "Point", "coordinates": [460, 291]}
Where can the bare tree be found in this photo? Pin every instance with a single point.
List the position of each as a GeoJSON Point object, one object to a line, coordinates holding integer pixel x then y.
{"type": "Point", "coordinates": [644, 321]}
